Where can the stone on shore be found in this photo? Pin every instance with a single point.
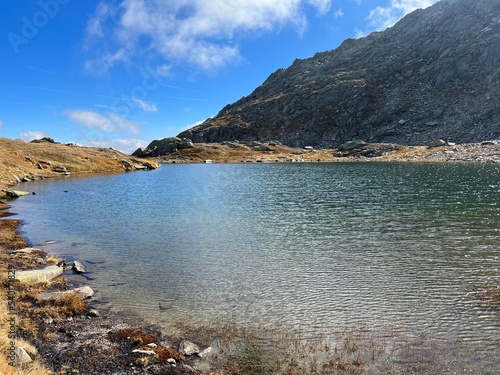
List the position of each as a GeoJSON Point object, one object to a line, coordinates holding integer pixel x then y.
{"type": "Point", "coordinates": [93, 313]}
{"type": "Point", "coordinates": [437, 143]}
{"type": "Point", "coordinates": [205, 352]}
{"type": "Point", "coordinates": [39, 276]}
{"type": "Point", "coordinates": [22, 355]}
{"type": "Point", "coordinates": [352, 145]}
{"type": "Point", "coordinates": [85, 292]}
{"type": "Point", "coordinates": [78, 267]}
{"type": "Point", "coordinates": [26, 250]}
{"type": "Point", "coordinates": [188, 348]}
{"type": "Point", "coordinates": [15, 193]}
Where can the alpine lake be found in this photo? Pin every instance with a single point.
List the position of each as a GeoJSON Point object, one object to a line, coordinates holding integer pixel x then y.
{"type": "Point", "coordinates": [313, 249]}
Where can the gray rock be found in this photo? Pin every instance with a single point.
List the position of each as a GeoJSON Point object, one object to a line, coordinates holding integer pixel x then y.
{"type": "Point", "coordinates": [85, 292]}
{"type": "Point", "coordinates": [188, 348]}
{"type": "Point", "coordinates": [437, 143]}
{"type": "Point", "coordinates": [93, 313]}
{"type": "Point", "coordinates": [78, 267]}
{"type": "Point", "coordinates": [22, 355]}
{"type": "Point", "coordinates": [26, 250]}
{"type": "Point", "coordinates": [163, 146]}
{"type": "Point", "coordinates": [15, 193]}
{"type": "Point", "coordinates": [352, 145]}
{"type": "Point", "coordinates": [205, 352]}
{"type": "Point", "coordinates": [59, 169]}
{"type": "Point", "coordinates": [39, 276]}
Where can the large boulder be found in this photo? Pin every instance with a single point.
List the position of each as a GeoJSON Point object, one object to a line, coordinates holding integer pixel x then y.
{"type": "Point", "coordinates": [163, 146]}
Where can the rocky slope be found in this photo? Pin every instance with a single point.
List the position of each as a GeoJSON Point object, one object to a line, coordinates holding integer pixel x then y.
{"type": "Point", "coordinates": [435, 74]}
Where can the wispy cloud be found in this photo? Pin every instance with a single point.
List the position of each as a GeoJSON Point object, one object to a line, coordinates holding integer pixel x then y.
{"type": "Point", "coordinates": [201, 33]}
{"type": "Point", "coordinates": [35, 68]}
{"type": "Point", "coordinates": [1, 124]}
{"type": "Point", "coordinates": [145, 106]}
{"type": "Point", "coordinates": [338, 13]}
{"type": "Point", "coordinates": [108, 123]}
{"type": "Point", "coordinates": [127, 146]}
{"type": "Point", "coordinates": [30, 135]}
{"type": "Point", "coordinates": [381, 18]}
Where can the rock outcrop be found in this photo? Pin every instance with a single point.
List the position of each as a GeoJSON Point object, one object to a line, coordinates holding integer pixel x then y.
{"type": "Point", "coordinates": [433, 75]}
{"type": "Point", "coordinates": [163, 146]}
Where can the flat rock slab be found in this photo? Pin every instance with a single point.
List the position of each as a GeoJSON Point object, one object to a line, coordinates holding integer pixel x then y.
{"type": "Point", "coordinates": [15, 193]}
{"type": "Point", "coordinates": [26, 250]}
{"type": "Point", "coordinates": [39, 276]}
{"type": "Point", "coordinates": [85, 292]}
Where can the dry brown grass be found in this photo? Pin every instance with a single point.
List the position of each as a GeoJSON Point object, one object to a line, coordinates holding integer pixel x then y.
{"type": "Point", "coordinates": [137, 336]}
{"type": "Point", "coordinates": [9, 235]}
{"type": "Point", "coordinates": [19, 159]}
{"type": "Point", "coordinates": [163, 354]}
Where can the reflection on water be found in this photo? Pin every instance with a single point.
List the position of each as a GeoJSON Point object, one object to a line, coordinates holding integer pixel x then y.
{"type": "Point", "coordinates": [308, 247]}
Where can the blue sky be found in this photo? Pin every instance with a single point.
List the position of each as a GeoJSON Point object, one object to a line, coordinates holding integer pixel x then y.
{"type": "Point", "coordinates": [120, 73]}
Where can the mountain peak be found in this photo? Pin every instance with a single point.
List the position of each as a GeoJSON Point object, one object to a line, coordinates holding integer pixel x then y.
{"type": "Point", "coordinates": [434, 74]}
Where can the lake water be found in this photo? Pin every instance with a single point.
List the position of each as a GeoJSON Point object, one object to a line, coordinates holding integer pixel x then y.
{"type": "Point", "coordinates": [312, 248]}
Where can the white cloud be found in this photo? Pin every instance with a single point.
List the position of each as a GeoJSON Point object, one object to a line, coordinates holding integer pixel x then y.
{"type": "Point", "coordinates": [381, 18]}
{"type": "Point", "coordinates": [94, 25]}
{"type": "Point", "coordinates": [164, 70]}
{"type": "Point", "coordinates": [30, 135]}
{"type": "Point", "coordinates": [202, 33]}
{"type": "Point", "coordinates": [338, 13]}
{"type": "Point", "coordinates": [1, 124]}
{"type": "Point", "coordinates": [127, 146]}
{"type": "Point", "coordinates": [145, 106]}
{"type": "Point", "coordinates": [109, 123]}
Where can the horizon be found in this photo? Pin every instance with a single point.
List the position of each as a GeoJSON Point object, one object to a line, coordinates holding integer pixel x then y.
{"type": "Point", "coordinates": [121, 73]}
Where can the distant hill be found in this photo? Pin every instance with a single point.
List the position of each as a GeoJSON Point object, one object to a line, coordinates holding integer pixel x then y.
{"type": "Point", "coordinates": [435, 74]}
{"type": "Point", "coordinates": [44, 158]}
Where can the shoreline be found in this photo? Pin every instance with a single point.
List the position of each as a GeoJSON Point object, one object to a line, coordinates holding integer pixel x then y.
{"type": "Point", "coordinates": [50, 335]}
{"type": "Point", "coordinates": [354, 151]}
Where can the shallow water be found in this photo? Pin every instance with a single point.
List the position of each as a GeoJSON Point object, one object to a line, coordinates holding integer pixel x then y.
{"type": "Point", "coordinates": [313, 248]}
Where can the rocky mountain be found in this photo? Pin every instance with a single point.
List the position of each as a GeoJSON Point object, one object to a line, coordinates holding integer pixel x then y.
{"type": "Point", "coordinates": [435, 74]}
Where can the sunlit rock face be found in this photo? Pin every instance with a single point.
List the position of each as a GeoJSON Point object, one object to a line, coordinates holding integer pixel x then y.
{"type": "Point", "coordinates": [433, 75]}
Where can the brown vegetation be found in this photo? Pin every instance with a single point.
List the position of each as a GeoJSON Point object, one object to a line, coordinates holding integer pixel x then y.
{"type": "Point", "coordinates": [226, 153]}
{"type": "Point", "coordinates": [9, 235]}
{"type": "Point", "coordinates": [20, 160]}
{"type": "Point", "coordinates": [135, 336]}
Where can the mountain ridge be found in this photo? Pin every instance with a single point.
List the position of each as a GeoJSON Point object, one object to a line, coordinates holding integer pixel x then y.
{"type": "Point", "coordinates": [434, 74]}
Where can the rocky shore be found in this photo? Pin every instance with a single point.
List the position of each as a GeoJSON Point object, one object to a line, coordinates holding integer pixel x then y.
{"type": "Point", "coordinates": [177, 150]}
{"type": "Point", "coordinates": [71, 333]}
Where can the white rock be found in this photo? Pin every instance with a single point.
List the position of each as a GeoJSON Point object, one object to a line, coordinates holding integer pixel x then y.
{"type": "Point", "coordinates": [22, 355]}
{"type": "Point", "coordinates": [205, 352]}
{"type": "Point", "coordinates": [188, 348]}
